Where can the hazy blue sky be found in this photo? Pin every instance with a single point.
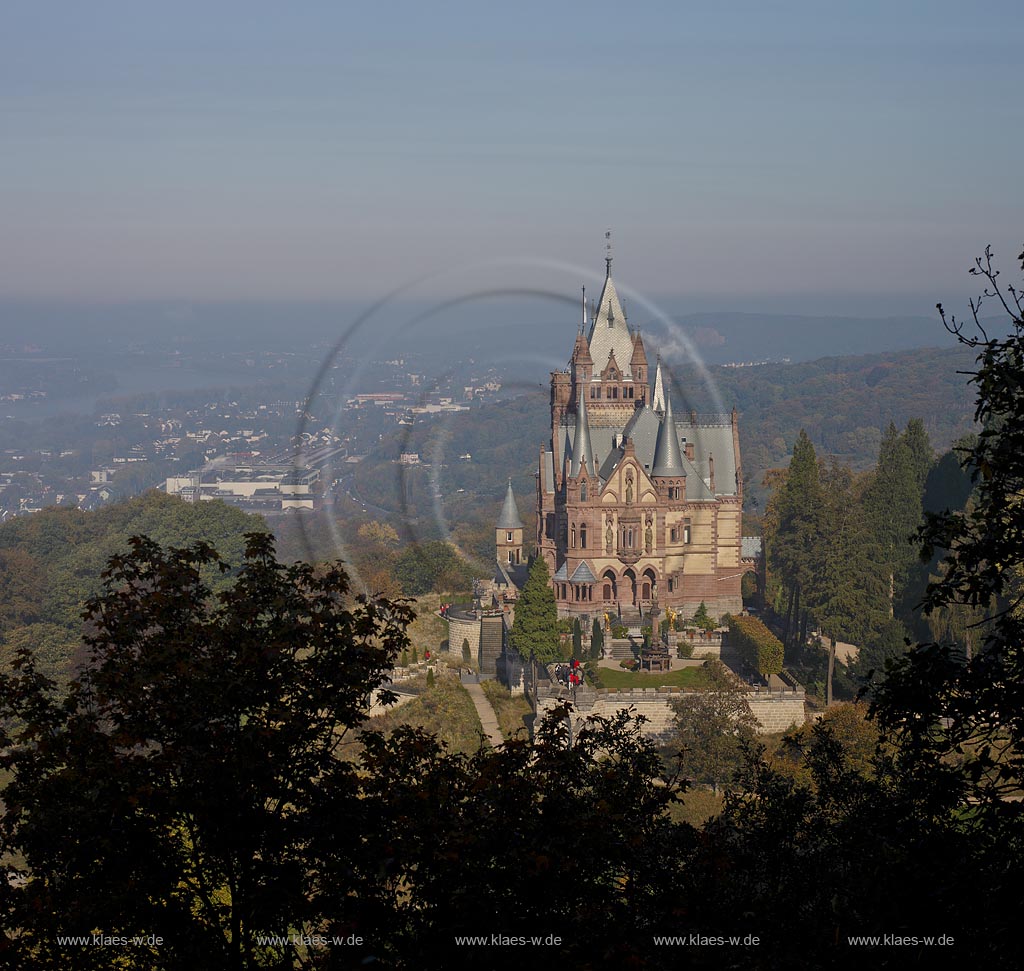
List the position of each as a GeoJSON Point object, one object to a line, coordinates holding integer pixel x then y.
{"type": "Point", "coordinates": [738, 150]}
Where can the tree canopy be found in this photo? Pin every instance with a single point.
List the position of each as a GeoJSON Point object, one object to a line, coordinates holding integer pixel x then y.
{"type": "Point", "coordinates": [535, 629]}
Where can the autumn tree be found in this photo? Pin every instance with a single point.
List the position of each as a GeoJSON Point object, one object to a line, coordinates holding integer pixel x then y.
{"type": "Point", "coordinates": [712, 725]}
{"type": "Point", "coordinates": [178, 790]}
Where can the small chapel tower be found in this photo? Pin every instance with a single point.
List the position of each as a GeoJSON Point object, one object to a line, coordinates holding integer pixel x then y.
{"type": "Point", "coordinates": [508, 533]}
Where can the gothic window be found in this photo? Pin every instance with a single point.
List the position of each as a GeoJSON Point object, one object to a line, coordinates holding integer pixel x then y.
{"type": "Point", "coordinates": [583, 536]}
{"type": "Point", "coordinates": [674, 534]}
{"type": "Point", "coordinates": [549, 525]}
{"type": "Point", "coordinates": [686, 533]}
{"type": "Point", "coordinates": [583, 492]}
{"type": "Point", "coordinates": [645, 591]}
{"type": "Point", "coordinates": [573, 532]}
{"type": "Point", "coordinates": [607, 591]}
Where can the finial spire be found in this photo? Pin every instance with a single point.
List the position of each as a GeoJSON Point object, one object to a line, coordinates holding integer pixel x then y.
{"type": "Point", "coordinates": [608, 251]}
{"type": "Point", "coordinates": [583, 326]}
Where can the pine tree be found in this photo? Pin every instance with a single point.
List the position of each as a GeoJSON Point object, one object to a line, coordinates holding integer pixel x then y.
{"type": "Point", "coordinates": [919, 448]}
{"type": "Point", "coordinates": [596, 641]}
{"type": "Point", "coordinates": [535, 630]}
{"type": "Point", "coordinates": [892, 508]}
{"type": "Point", "coordinates": [577, 640]}
{"type": "Point", "coordinates": [844, 589]}
{"type": "Point", "coordinates": [793, 536]}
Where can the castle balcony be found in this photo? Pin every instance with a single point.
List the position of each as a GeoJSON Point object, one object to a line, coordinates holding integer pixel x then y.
{"type": "Point", "coordinates": [628, 556]}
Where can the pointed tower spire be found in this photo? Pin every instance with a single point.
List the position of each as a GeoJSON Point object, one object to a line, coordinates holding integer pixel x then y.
{"type": "Point", "coordinates": [608, 254]}
{"type": "Point", "coordinates": [658, 401]}
{"type": "Point", "coordinates": [582, 447]}
{"type": "Point", "coordinates": [508, 518]}
{"type": "Point", "coordinates": [583, 326]}
{"type": "Point", "coordinates": [668, 459]}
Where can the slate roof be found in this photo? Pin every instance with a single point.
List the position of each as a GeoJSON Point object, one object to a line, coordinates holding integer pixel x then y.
{"type": "Point", "coordinates": [668, 459]}
{"type": "Point", "coordinates": [609, 333]}
{"type": "Point", "coordinates": [508, 518]}
{"type": "Point", "coordinates": [751, 547]}
{"type": "Point", "coordinates": [582, 574]}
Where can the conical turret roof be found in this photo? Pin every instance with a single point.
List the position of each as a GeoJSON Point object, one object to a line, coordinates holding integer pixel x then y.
{"type": "Point", "coordinates": [582, 447]}
{"type": "Point", "coordinates": [508, 518]}
{"type": "Point", "coordinates": [658, 400]}
{"type": "Point", "coordinates": [668, 459]}
{"type": "Point", "coordinates": [608, 330]}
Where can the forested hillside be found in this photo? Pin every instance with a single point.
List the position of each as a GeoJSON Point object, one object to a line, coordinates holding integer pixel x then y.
{"type": "Point", "coordinates": [843, 403]}
{"type": "Point", "coordinates": [50, 564]}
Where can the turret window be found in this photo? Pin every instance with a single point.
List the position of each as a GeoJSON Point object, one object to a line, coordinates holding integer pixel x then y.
{"type": "Point", "coordinates": [508, 537]}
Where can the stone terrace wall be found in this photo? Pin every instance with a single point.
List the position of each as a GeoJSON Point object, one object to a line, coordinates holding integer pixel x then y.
{"type": "Point", "coordinates": [463, 627]}
{"type": "Point", "coordinates": [774, 712]}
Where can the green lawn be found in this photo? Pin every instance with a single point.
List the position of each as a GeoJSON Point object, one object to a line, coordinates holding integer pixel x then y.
{"type": "Point", "coordinates": [683, 678]}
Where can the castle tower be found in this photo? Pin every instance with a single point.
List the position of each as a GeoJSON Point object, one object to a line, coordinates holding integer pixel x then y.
{"type": "Point", "coordinates": [508, 533]}
{"type": "Point", "coordinates": [637, 511]}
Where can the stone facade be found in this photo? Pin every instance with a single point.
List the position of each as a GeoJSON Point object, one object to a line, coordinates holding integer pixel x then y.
{"type": "Point", "coordinates": [636, 508]}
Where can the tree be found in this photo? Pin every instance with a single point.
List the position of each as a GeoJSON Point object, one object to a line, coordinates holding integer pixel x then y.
{"type": "Point", "coordinates": [703, 619]}
{"type": "Point", "coordinates": [892, 506]}
{"type": "Point", "coordinates": [535, 629]}
{"type": "Point", "coordinates": [844, 589]}
{"type": "Point", "coordinates": [712, 726]}
{"type": "Point", "coordinates": [435, 566]}
{"type": "Point", "coordinates": [577, 639]}
{"type": "Point", "coordinates": [180, 789]}
{"type": "Point", "coordinates": [793, 529]}
{"type": "Point", "coordinates": [596, 640]}
{"type": "Point", "coordinates": [920, 451]}
{"type": "Point", "coordinates": [938, 702]}
{"type": "Point", "coordinates": [569, 834]}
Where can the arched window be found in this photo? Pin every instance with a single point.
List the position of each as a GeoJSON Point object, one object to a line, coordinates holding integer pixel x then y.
{"type": "Point", "coordinates": [607, 591]}
{"type": "Point", "coordinates": [583, 491]}
{"type": "Point", "coordinates": [572, 532]}
{"type": "Point", "coordinates": [645, 590]}
{"type": "Point", "coordinates": [583, 536]}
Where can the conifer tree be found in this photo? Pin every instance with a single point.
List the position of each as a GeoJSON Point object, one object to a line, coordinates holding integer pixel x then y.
{"type": "Point", "coordinates": [596, 640]}
{"type": "Point", "coordinates": [795, 512]}
{"type": "Point", "coordinates": [535, 630]}
{"type": "Point", "coordinates": [919, 448]}
{"type": "Point", "coordinates": [577, 640]}
{"type": "Point", "coordinates": [892, 508]}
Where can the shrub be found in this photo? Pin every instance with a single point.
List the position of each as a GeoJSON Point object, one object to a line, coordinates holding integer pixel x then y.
{"type": "Point", "coordinates": [758, 646]}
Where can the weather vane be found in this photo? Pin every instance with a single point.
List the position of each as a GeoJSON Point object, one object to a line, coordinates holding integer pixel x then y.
{"type": "Point", "coordinates": [608, 248]}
